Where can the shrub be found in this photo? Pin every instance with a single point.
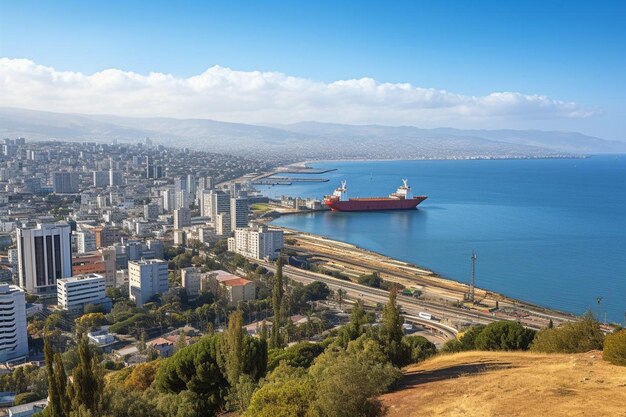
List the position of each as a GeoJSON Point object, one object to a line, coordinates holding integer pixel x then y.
{"type": "Point", "coordinates": [504, 335]}
{"type": "Point", "coordinates": [575, 337]}
{"type": "Point", "coordinates": [300, 355]}
{"type": "Point", "coordinates": [419, 348]}
{"type": "Point", "coordinates": [26, 397]}
{"type": "Point", "coordinates": [615, 348]}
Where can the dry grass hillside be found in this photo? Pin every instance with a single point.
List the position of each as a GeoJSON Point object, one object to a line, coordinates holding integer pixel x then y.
{"type": "Point", "coordinates": [473, 384]}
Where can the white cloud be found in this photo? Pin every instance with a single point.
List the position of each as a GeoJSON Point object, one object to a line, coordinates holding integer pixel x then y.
{"type": "Point", "coordinates": [263, 97]}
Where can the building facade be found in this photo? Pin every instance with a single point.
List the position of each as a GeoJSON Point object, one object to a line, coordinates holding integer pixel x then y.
{"type": "Point", "coordinates": [75, 292]}
{"type": "Point", "coordinates": [182, 218]}
{"type": "Point", "coordinates": [257, 242]}
{"type": "Point", "coordinates": [146, 278]}
{"type": "Point", "coordinates": [238, 213]}
{"type": "Point", "coordinates": [13, 336]}
{"type": "Point", "coordinates": [65, 182]}
{"type": "Point", "coordinates": [45, 255]}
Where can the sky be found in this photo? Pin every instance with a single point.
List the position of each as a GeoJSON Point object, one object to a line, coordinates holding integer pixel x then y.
{"type": "Point", "coordinates": [554, 65]}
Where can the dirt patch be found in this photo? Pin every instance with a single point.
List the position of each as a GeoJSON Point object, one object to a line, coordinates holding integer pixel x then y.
{"type": "Point", "coordinates": [480, 384]}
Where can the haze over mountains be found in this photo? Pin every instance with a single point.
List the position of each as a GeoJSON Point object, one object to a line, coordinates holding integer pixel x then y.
{"type": "Point", "coordinates": [306, 140]}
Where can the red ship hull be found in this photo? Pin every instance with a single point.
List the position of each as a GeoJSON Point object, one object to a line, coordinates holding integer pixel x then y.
{"type": "Point", "coordinates": [374, 204]}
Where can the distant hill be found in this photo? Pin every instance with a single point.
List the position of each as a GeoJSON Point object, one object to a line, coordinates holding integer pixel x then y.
{"type": "Point", "coordinates": [485, 384]}
{"type": "Point", "coordinates": [307, 140]}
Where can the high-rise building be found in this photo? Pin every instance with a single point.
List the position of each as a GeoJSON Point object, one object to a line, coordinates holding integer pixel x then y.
{"type": "Point", "coordinates": [182, 199]}
{"type": "Point", "coordinates": [65, 182]}
{"type": "Point", "coordinates": [45, 255]}
{"type": "Point", "coordinates": [115, 178]}
{"type": "Point", "coordinates": [205, 183]}
{"type": "Point", "coordinates": [257, 242]}
{"type": "Point", "coordinates": [32, 185]}
{"type": "Point", "coordinates": [100, 179]}
{"type": "Point", "coordinates": [180, 183]}
{"type": "Point", "coordinates": [205, 203]}
{"type": "Point", "coordinates": [220, 203]}
{"type": "Point", "coordinates": [150, 211]}
{"type": "Point", "coordinates": [182, 218]}
{"type": "Point", "coordinates": [76, 292]}
{"type": "Point", "coordinates": [85, 241]}
{"type": "Point", "coordinates": [169, 199]}
{"type": "Point", "coordinates": [146, 278]}
{"type": "Point", "coordinates": [238, 213]}
{"type": "Point", "coordinates": [106, 236]}
{"type": "Point", "coordinates": [13, 336]}
{"type": "Point", "coordinates": [191, 184]}
{"type": "Point", "coordinates": [222, 224]}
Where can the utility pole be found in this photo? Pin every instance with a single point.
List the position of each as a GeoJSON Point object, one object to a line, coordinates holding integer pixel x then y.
{"type": "Point", "coordinates": [473, 281]}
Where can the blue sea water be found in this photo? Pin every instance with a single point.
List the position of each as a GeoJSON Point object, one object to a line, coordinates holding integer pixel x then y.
{"type": "Point", "coordinates": [549, 231]}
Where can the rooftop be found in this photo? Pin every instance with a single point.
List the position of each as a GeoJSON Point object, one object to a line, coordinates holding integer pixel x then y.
{"type": "Point", "coordinates": [81, 277]}
{"type": "Point", "coordinates": [236, 282]}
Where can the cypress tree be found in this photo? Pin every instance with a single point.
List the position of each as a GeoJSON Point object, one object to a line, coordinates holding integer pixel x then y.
{"type": "Point", "coordinates": [87, 383]}
{"type": "Point", "coordinates": [278, 292]}
{"type": "Point", "coordinates": [233, 347]}
{"type": "Point", "coordinates": [391, 329]}
{"type": "Point", "coordinates": [56, 382]}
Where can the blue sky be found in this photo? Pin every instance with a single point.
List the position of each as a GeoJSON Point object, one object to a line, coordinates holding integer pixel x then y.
{"type": "Point", "coordinates": [570, 51]}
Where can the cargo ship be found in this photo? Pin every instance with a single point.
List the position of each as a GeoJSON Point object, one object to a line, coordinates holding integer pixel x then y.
{"type": "Point", "coordinates": [400, 200]}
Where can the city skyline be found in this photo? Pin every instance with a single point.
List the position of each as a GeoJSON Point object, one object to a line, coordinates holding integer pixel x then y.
{"type": "Point", "coordinates": [532, 66]}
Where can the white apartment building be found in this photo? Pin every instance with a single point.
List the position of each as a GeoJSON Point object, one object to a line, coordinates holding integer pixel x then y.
{"type": "Point", "coordinates": [45, 255]}
{"type": "Point", "coordinates": [146, 278]}
{"type": "Point", "coordinates": [75, 292]}
{"type": "Point", "coordinates": [182, 218]}
{"type": "Point", "coordinates": [13, 337]}
{"type": "Point", "coordinates": [85, 241]}
{"type": "Point", "coordinates": [222, 224]}
{"type": "Point", "coordinates": [191, 279]}
{"type": "Point", "coordinates": [257, 242]}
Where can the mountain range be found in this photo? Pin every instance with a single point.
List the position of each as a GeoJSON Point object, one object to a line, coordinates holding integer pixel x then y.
{"type": "Point", "coordinates": [305, 140]}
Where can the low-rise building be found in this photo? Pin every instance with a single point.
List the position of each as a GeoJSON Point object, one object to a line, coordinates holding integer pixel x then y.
{"type": "Point", "coordinates": [238, 289]}
{"type": "Point", "coordinates": [74, 293]}
{"type": "Point", "coordinates": [146, 278]}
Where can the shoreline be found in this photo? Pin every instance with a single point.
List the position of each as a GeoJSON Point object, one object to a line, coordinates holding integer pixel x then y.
{"type": "Point", "coordinates": [306, 163]}
{"type": "Point", "coordinates": [428, 280]}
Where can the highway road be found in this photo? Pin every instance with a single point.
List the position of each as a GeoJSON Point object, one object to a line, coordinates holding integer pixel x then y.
{"type": "Point", "coordinates": [411, 307]}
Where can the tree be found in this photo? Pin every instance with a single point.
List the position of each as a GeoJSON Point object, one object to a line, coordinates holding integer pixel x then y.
{"type": "Point", "coordinates": [287, 392]}
{"type": "Point", "coordinates": [615, 348]}
{"type": "Point", "coordinates": [300, 355]}
{"type": "Point", "coordinates": [182, 340]}
{"type": "Point", "coordinates": [58, 401]}
{"type": "Point", "coordinates": [504, 335]}
{"type": "Point", "coordinates": [419, 348]}
{"type": "Point", "coordinates": [391, 332]}
{"type": "Point", "coordinates": [142, 376]}
{"type": "Point", "coordinates": [579, 336]}
{"type": "Point", "coordinates": [196, 369]}
{"type": "Point", "coordinates": [355, 328]}
{"type": "Point", "coordinates": [347, 382]}
{"type": "Point", "coordinates": [371, 280]}
{"type": "Point", "coordinates": [468, 339]}
{"type": "Point", "coordinates": [87, 380]}
{"type": "Point", "coordinates": [232, 348]}
{"type": "Point", "coordinates": [90, 321]}
{"type": "Point", "coordinates": [278, 292]}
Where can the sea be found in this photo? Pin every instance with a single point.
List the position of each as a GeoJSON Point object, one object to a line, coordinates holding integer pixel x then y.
{"type": "Point", "coordinates": [547, 231]}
